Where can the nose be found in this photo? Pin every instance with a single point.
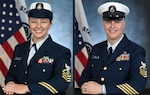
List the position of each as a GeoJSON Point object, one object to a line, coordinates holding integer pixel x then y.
{"type": "Point", "coordinates": [112, 24]}
{"type": "Point", "coordinates": [38, 25]}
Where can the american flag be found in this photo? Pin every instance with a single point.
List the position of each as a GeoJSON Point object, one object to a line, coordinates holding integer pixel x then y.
{"type": "Point", "coordinates": [82, 40]}
{"type": "Point", "coordinates": [11, 34]}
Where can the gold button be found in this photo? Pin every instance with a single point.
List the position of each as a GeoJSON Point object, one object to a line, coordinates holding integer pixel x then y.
{"type": "Point", "coordinates": [102, 78]}
{"type": "Point", "coordinates": [105, 68]}
{"type": "Point", "coordinates": [15, 65]}
{"type": "Point", "coordinates": [92, 65]}
{"type": "Point", "coordinates": [44, 70]}
{"type": "Point", "coordinates": [25, 72]}
{"type": "Point", "coordinates": [120, 69]}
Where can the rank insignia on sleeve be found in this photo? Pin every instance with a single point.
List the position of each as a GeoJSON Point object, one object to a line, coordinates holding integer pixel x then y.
{"type": "Point", "coordinates": [123, 57]}
{"type": "Point", "coordinates": [66, 73]}
{"type": "Point", "coordinates": [143, 70]}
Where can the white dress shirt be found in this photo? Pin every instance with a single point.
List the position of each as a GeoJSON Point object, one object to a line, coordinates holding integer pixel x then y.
{"type": "Point", "coordinates": [32, 49]}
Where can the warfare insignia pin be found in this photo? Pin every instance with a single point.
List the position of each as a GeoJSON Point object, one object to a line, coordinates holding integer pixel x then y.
{"type": "Point", "coordinates": [123, 57]}
{"type": "Point", "coordinates": [143, 70]}
{"type": "Point", "coordinates": [66, 74]}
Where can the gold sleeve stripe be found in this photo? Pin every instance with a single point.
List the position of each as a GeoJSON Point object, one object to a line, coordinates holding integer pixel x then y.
{"type": "Point", "coordinates": [127, 89]}
{"type": "Point", "coordinates": [49, 87]}
{"type": "Point", "coordinates": [132, 88]}
{"type": "Point", "coordinates": [123, 89]}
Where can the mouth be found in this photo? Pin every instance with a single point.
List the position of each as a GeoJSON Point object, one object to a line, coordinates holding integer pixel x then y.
{"type": "Point", "coordinates": [112, 31]}
{"type": "Point", "coordinates": [38, 31]}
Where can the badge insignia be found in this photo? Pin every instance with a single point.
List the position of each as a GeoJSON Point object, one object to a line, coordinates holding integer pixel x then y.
{"type": "Point", "coordinates": [143, 70]}
{"type": "Point", "coordinates": [95, 57]}
{"type": "Point", "coordinates": [45, 60]}
{"type": "Point", "coordinates": [66, 74]}
{"type": "Point", "coordinates": [123, 57]}
{"type": "Point", "coordinates": [39, 6]}
{"type": "Point", "coordinates": [112, 9]}
{"type": "Point", "coordinates": [17, 58]}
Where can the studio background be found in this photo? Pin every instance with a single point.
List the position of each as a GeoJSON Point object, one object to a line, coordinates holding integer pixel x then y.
{"type": "Point", "coordinates": [137, 24]}
{"type": "Point", "coordinates": [61, 30]}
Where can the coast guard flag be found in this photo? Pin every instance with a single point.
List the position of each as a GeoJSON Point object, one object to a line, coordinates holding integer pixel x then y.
{"type": "Point", "coordinates": [11, 34]}
{"type": "Point", "coordinates": [82, 40]}
{"type": "Point", "coordinates": [23, 12]}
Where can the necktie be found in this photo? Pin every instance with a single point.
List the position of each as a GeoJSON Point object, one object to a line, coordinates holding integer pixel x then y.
{"type": "Point", "coordinates": [109, 52]}
{"type": "Point", "coordinates": [34, 45]}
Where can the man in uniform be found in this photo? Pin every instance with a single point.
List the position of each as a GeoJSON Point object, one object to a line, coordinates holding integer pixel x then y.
{"type": "Point", "coordinates": [117, 65]}
{"type": "Point", "coordinates": [39, 66]}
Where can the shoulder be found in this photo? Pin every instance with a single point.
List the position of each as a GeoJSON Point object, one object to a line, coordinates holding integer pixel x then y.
{"type": "Point", "coordinates": [60, 47]}
{"type": "Point", "coordinates": [22, 45]}
{"type": "Point", "coordinates": [56, 49]}
{"type": "Point", "coordinates": [135, 47]}
{"type": "Point", "coordinates": [100, 45]}
{"type": "Point", "coordinates": [54, 45]}
{"type": "Point", "coordinates": [60, 51]}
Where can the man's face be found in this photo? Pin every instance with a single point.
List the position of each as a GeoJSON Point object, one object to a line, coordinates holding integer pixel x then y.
{"type": "Point", "coordinates": [39, 28]}
{"type": "Point", "coordinates": [114, 29]}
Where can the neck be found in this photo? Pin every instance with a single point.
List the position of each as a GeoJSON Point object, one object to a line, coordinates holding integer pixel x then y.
{"type": "Point", "coordinates": [112, 41]}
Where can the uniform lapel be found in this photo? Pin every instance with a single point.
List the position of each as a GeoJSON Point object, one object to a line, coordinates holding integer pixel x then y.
{"type": "Point", "coordinates": [25, 53]}
{"type": "Point", "coordinates": [103, 52]}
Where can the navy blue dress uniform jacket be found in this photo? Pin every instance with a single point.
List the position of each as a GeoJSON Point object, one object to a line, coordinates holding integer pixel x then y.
{"type": "Point", "coordinates": [48, 72]}
{"type": "Point", "coordinates": [123, 73]}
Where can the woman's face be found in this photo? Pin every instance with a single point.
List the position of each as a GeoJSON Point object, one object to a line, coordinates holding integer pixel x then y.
{"type": "Point", "coordinates": [39, 28]}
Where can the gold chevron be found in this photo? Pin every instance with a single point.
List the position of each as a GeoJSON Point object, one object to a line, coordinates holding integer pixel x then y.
{"type": "Point", "coordinates": [66, 75]}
